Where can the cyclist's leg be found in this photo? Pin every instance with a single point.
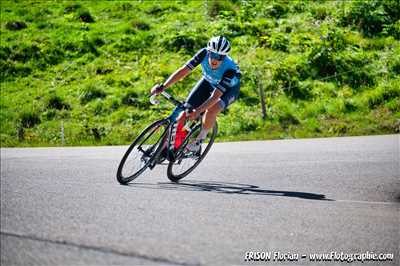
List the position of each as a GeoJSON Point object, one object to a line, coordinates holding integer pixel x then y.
{"type": "Point", "coordinates": [197, 96]}
{"type": "Point", "coordinates": [211, 114]}
{"type": "Point", "coordinates": [200, 93]}
{"type": "Point", "coordinates": [209, 119]}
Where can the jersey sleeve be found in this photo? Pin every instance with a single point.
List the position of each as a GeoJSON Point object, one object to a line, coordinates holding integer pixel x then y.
{"type": "Point", "coordinates": [197, 58]}
{"type": "Point", "coordinates": [230, 79]}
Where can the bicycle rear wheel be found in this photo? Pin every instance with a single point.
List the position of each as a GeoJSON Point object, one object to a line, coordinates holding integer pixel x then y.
{"type": "Point", "coordinates": [185, 162]}
{"type": "Point", "coordinates": [142, 152]}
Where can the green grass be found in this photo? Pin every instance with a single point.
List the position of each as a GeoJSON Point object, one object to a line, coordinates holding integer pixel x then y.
{"type": "Point", "coordinates": [327, 68]}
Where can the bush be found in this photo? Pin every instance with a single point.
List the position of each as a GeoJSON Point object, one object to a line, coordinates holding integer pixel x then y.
{"type": "Point", "coordinates": [90, 93]}
{"type": "Point", "coordinates": [112, 104]}
{"type": "Point", "coordinates": [298, 6]}
{"type": "Point", "coordinates": [12, 70]}
{"type": "Point", "coordinates": [71, 8]}
{"type": "Point", "coordinates": [28, 119]}
{"type": "Point", "coordinates": [285, 116]}
{"type": "Point", "coordinates": [251, 123]}
{"type": "Point", "coordinates": [394, 105]}
{"type": "Point", "coordinates": [98, 107]}
{"type": "Point", "coordinates": [25, 52]}
{"type": "Point", "coordinates": [81, 46]}
{"type": "Point", "coordinates": [137, 25]}
{"type": "Point", "coordinates": [84, 16]}
{"type": "Point", "coordinates": [141, 40]}
{"type": "Point", "coordinates": [140, 25]}
{"type": "Point", "coordinates": [350, 106]}
{"type": "Point", "coordinates": [259, 27]}
{"type": "Point", "coordinates": [353, 69]}
{"type": "Point", "coordinates": [368, 16]}
{"type": "Point", "coordinates": [350, 68]}
{"type": "Point", "coordinates": [394, 66]}
{"type": "Point", "coordinates": [56, 102]}
{"type": "Point", "coordinates": [49, 114]}
{"type": "Point", "coordinates": [125, 7]}
{"type": "Point", "coordinates": [5, 51]}
{"type": "Point", "coordinates": [322, 56]}
{"type": "Point", "coordinates": [161, 9]}
{"type": "Point", "coordinates": [320, 13]}
{"type": "Point", "coordinates": [181, 41]}
{"type": "Point", "coordinates": [334, 59]}
{"type": "Point", "coordinates": [383, 94]}
{"type": "Point", "coordinates": [277, 9]}
{"type": "Point", "coordinates": [130, 98]}
{"type": "Point", "coordinates": [188, 42]}
{"type": "Point", "coordinates": [248, 99]}
{"type": "Point", "coordinates": [45, 25]}
{"type": "Point", "coordinates": [233, 28]}
{"type": "Point", "coordinates": [288, 74]}
{"type": "Point", "coordinates": [301, 91]}
{"type": "Point", "coordinates": [248, 10]}
{"type": "Point", "coordinates": [393, 30]}
{"type": "Point", "coordinates": [32, 53]}
{"type": "Point", "coordinates": [278, 41]}
{"type": "Point", "coordinates": [392, 9]}
{"type": "Point", "coordinates": [218, 7]}
{"type": "Point", "coordinates": [51, 55]}
{"type": "Point", "coordinates": [15, 25]}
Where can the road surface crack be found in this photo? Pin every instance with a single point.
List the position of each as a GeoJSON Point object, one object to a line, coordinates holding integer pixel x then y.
{"type": "Point", "coordinates": [96, 248]}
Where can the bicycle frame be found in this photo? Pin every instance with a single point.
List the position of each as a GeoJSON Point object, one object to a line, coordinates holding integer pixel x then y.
{"type": "Point", "coordinates": [170, 132]}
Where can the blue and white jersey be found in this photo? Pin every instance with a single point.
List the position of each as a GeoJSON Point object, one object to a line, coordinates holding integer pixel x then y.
{"type": "Point", "coordinates": [226, 76]}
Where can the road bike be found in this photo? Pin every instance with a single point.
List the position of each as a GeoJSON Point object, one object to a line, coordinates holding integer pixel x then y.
{"type": "Point", "coordinates": [167, 140]}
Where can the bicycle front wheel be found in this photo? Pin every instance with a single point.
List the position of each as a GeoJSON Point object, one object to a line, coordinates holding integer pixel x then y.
{"type": "Point", "coordinates": [142, 152]}
{"type": "Point", "coordinates": [185, 162]}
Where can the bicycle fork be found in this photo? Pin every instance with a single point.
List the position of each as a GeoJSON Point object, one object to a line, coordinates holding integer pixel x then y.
{"type": "Point", "coordinates": [169, 138]}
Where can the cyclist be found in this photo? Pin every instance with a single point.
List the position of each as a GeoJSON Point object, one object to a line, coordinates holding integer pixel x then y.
{"type": "Point", "coordinates": [218, 88]}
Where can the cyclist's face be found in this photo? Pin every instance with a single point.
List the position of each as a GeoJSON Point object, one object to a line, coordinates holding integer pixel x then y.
{"type": "Point", "coordinates": [215, 60]}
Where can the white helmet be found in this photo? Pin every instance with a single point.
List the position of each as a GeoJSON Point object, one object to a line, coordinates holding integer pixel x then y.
{"type": "Point", "coordinates": [219, 45]}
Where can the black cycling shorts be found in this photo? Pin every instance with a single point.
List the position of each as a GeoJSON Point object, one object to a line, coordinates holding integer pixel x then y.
{"type": "Point", "coordinates": [203, 90]}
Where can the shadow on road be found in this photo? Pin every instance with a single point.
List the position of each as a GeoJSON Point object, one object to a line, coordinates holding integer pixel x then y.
{"type": "Point", "coordinates": [228, 188]}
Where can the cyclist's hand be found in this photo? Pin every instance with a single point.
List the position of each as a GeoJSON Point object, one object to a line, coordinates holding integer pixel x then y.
{"type": "Point", "coordinates": [157, 89]}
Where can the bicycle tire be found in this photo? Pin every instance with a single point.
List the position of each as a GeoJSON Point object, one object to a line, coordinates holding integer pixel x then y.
{"type": "Point", "coordinates": [148, 131]}
{"type": "Point", "coordinates": [176, 177]}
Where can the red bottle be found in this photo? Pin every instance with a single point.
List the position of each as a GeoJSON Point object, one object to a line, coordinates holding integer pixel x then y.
{"type": "Point", "coordinates": [180, 131]}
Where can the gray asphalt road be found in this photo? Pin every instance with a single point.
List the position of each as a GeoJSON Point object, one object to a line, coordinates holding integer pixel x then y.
{"type": "Point", "coordinates": [63, 206]}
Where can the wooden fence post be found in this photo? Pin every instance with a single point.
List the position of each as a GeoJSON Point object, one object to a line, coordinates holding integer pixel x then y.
{"type": "Point", "coordinates": [262, 96]}
{"type": "Point", "coordinates": [62, 133]}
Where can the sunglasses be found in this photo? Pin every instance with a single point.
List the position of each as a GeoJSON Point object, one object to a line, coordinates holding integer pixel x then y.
{"type": "Point", "coordinates": [216, 56]}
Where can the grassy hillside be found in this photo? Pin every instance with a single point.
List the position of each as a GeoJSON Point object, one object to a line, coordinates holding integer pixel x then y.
{"type": "Point", "coordinates": [327, 68]}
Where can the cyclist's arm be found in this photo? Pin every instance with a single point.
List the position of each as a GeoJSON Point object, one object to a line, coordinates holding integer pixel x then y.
{"type": "Point", "coordinates": [186, 69]}
{"type": "Point", "coordinates": [177, 76]}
